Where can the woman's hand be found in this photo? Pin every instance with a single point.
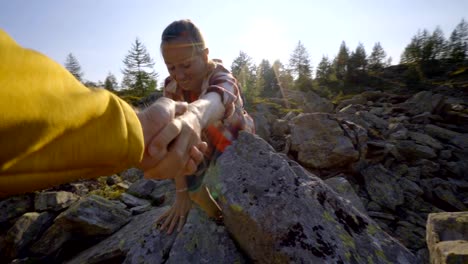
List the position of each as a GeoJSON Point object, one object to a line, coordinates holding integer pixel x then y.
{"type": "Point", "coordinates": [177, 215]}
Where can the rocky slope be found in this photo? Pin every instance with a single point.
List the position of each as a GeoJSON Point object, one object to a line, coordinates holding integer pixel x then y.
{"type": "Point", "coordinates": [351, 183]}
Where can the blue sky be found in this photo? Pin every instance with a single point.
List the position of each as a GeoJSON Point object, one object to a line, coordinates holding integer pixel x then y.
{"type": "Point", "coordinates": [100, 32]}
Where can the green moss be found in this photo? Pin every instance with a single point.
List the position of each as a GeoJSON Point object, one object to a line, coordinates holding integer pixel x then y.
{"type": "Point", "coordinates": [327, 216]}
{"type": "Point", "coordinates": [192, 244]}
{"type": "Point", "coordinates": [372, 229]}
{"type": "Point", "coordinates": [381, 255]}
{"type": "Point", "coordinates": [347, 240]}
{"type": "Point", "coordinates": [236, 208]}
{"type": "Point", "coordinates": [347, 256]}
{"type": "Point", "coordinates": [369, 260]}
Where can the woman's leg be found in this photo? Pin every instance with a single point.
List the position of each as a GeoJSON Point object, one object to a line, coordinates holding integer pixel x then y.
{"type": "Point", "coordinates": [204, 199]}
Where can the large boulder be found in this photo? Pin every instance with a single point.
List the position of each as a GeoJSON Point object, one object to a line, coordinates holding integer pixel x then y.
{"type": "Point", "coordinates": [87, 219]}
{"type": "Point", "coordinates": [447, 237]}
{"type": "Point", "coordinates": [279, 213]}
{"type": "Point", "coordinates": [320, 141]}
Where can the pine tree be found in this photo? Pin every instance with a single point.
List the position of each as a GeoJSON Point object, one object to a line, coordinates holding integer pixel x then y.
{"type": "Point", "coordinates": [139, 75]}
{"type": "Point", "coordinates": [73, 66]}
{"type": "Point", "coordinates": [357, 65]}
{"type": "Point", "coordinates": [244, 70]}
{"type": "Point", "coordinates": [267, 83]}
{"type": "Point", "coordinates": [341, 62]}
{"type": "Point", "coordinates": [324, 71]}
{"type": "Point", "coordinates": [111, 82]}
{"type": "Point", "coordinates": [299, 64]}
{"type": "Point", "coordinates": [376, 60]}
{"type": "Point", "coordinates": [458, 43]}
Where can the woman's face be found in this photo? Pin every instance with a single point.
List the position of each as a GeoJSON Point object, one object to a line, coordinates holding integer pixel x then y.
{"type": "Point", "coordinates": [187, 65]}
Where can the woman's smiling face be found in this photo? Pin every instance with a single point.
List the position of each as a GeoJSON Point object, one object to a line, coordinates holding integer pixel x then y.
{"type": "Point", "coordinates": [186, 64]}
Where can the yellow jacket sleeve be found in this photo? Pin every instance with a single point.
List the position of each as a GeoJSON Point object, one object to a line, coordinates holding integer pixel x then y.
{"type": "Point", "coordinates": [55, 130]}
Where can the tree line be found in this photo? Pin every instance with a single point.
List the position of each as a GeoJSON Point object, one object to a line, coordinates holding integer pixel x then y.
{"type": "Point", "coordinates": [348, 70]}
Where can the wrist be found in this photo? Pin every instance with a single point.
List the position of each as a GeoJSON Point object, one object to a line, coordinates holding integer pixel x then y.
{"type": "Point", "coordinates": [144, 123]}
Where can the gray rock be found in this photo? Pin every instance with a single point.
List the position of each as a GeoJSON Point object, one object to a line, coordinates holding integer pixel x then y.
{"type": "Point", "coordinates": [425, 140]}
{"type": "Point", "coordinates": [382, 186]}
{"type": "Point", "coordinates": [113, 179]}
{"type": "Point", "coordinates": [165, 192]}
{"type": "Point", "coordinates": [422, 102]}
{"type": "Point", "coordinates": [26, 230]}
{"type": "Point", "coordinates": [278, 212]}
{"type": "Point", "coordinates": [262, 126]}
{"type": "Point", "coordinates": [412, 236]}
{"type": "Point", "coordinates": [142, 188]}
{"type": "Point", "coordinates": [356, 100]}
{"type": "Point", "coordinates": [412, 151]}
{"type": "Point", "coordinates": [202, 241]}
{"type": "Point", "coordinates": [140, 209]}
{"type": "Point", "coordinates": [314, 103]}
{"type": "Point", "coordinates": [410, 187]}
{"type": "Point", "coordinates": [54, 201]}
{"type": "Point", "coordinates": [344, 189]}
{"type": "Point", "coordinates": [457, 139]}
{"type": "Point", "coordinates": [141, 231]}
{"type": "Point", "coordinates": [132, 201]}
{"type": "Point", "coordinates": [280, 127]}
{"type": "Point", "coordinates": [445, 154]}
{"type": "Point", "coordinates": [447, 237]}
{"type": "Point", "coordinates": [132, 175]}
{"type": "Point", "coordinates": [376, 121]}
{"type": "Point", "coordinates": [90, 217]}
{"type": "Point", "coordinates": [320, 142]}
{"type": "Point", "coordinates": [14, 206]}
{"type": "Point", "coordinates": [446, 194]}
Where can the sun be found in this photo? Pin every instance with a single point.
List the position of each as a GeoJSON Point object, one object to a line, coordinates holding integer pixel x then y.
{"type": "Point", "coordinates": [264, 39]}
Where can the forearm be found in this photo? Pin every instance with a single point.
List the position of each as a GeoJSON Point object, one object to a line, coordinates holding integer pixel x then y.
{"type": "Point", "coordinates": [208, 109]}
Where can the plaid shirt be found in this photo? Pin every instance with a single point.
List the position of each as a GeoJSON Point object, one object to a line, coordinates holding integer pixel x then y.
{"type": "Point", "coordinates": [220, 134]}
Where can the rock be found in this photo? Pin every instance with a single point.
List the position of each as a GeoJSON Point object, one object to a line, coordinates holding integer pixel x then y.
{"type": "Point", "coordinates": [280, 127]}
{"type": "Point", "coordinates": [351, 109]}
{"type": "Point", "coordinates": [132, 175]}
{"type": "Point", "coordinates": [262, 126]}
{"type": "Point", "coordinates": [202, 241]}
{"type": "Point", "coordinates": [54, 201]}
{"type": "Point", "coordinates": [142, 188]}
{"type": "Point", "coordinates": [139, 232]}
{"type": "Point", "coordinates": [15, 206]}
{"type": "Point", "coordinates": [447, 237]}
{"type": "Point", "coordinates": [278, 212]}
{"type": "Point", "coordinates": [376, 121]}
{"type": "Point", "coordinates": [455, 138]}
{"type": "Point", "coordinates": [88, 218]}
{"type": "Point", "coordinates": [344, 189]}
{"type": "Point", "coordinates": [356, 100]}
{"type": "Point", "coordinates": [314, 103]}
{"type": "Point", "coordinates": [165, 192]}
{"type": "Point", "coordinates": [320, 142]}
{"type": "Point", "coordinates": [410, 187]}
{"type": "Point", "coordinates": [413, 237]}
{"type": "Point", "coordinates": [382, 186]}
{"type": "Point", "coordinates": [26, 230]}
{"type": "Point", "coordinates": [446, 195]}
{"type": "Point", "coordinates": [132, 201]}
{"type": "Point", "coordinates": [422, 102]}
{"type": "Point", "coordinates": [397, 131]}
{"type": "Point", "coordinates": [412, 151]}
{"type": "Point", "coordinates": [112, 180]}
{"type": "Point", "coordinates": [424, 139]}
{"type": "Point", "coordinates": [140, 209]}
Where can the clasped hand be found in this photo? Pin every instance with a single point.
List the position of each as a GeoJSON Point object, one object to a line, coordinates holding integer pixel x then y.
{"type": "Point", "coordinates": [173, 149]}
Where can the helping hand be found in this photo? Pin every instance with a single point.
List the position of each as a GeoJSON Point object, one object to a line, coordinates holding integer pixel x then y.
{"type": "Point", "coordinates": [177, 215]}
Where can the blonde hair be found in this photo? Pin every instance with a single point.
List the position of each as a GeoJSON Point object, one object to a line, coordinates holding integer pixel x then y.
{"type": "Point", "coordinates": [184, 29]}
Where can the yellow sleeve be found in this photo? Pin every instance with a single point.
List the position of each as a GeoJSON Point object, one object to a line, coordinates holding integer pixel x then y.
{"type": "Point", "coordinates": [55, 130]}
